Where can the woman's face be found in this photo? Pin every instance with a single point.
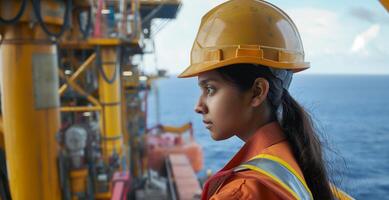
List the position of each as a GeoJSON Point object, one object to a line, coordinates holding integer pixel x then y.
{"type": "Point", "coordinates": [226, 110]}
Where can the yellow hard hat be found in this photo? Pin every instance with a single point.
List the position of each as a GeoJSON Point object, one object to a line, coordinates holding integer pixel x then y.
{"type": "Point", "coordinates": [246, 31]}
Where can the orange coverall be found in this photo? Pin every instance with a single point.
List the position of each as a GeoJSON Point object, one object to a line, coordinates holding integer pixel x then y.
{"type": "Point", "coordinates": [226, 184]}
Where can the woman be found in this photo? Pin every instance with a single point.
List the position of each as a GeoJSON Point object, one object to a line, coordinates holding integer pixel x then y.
{"type": "Point", "coordinates": [245, 54]}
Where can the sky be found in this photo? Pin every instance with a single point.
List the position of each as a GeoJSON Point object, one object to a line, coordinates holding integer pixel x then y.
{"type": "Point", "coordinates": [346, 37]}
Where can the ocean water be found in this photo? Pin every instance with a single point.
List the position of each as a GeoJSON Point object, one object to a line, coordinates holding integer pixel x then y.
{"type": "Point", "coordinates": [351, 112]}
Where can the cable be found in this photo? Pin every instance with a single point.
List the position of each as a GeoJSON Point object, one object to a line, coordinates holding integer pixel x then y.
{"type": "Point", "coordinates": [152, 13]}
{"type": "Point", "coordinates": [63, 171]}
{"type": "Point", "coordinates": [4, 187]}
{"type": "Point", "coordinates": [18, 15]}
{"type": "Point", "coordinates": [101, 70]}
{"type": "Point", "coordinates": [36, 4]}
{"type": "Point", "coordinates": [160, 26]}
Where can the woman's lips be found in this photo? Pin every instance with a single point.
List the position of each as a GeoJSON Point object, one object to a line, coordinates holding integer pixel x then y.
{"type": "Point", "coordinates": [207, 124]}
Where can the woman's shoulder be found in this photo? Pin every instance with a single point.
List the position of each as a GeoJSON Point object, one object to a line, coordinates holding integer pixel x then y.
{"type": "Point", "coordinates": [249, 185]}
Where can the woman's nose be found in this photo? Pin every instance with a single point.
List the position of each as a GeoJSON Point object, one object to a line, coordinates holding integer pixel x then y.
{"type": "Point", "coordinates": [200, 108]}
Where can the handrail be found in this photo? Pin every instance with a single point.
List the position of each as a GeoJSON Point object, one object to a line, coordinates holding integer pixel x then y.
{"type": "Point", "coordinates": [173, 129]}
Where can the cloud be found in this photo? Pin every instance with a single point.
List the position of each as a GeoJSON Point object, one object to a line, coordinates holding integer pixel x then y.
{"type": "Point", "coordinates": [329, 38]}
{"type": "Point", "coordinates": [312, 21]}
{"type": "Point", "coordinates": [370, 16]}
{"type": "Point", "coordinates": [362, 39]}
{"type": "Point", "coordinates": [329, 35]}
{"type": "Point", "coordinates": [319, 29]}
{"type": "Point", "coordinates": [363, 14]}
{"type": "Point", "coordinates": [175, 41]}
{"type": "Point", "coordinates": [213, 3]}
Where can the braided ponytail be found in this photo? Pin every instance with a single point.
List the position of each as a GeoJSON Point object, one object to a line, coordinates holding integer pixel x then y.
{"type": "Point", "coordinates": [298, 128]}
{"type": "Point", "coordinates": [296, 123]}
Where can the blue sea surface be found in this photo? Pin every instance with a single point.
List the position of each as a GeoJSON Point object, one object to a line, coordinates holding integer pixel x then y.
{"type": "Point", "coordinates": [351, 112]}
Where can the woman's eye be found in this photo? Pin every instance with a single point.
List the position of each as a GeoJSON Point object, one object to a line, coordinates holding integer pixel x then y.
{"type": "Point", "coordinates": [210, 90]}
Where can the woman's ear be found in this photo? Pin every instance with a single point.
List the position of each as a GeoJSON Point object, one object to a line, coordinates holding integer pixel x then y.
{"type": "Point", "coordinates": [260, 90]}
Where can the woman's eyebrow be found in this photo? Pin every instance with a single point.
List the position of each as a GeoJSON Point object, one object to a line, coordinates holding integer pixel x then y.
{"type": "Point", "coordinates": [205, 81]}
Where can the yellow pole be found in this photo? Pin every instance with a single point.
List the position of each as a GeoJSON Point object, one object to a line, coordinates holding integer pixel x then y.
{"type": "Point", "coordinates": [30, 101]}
{"type": "Point", "coordinates": [110, 99]}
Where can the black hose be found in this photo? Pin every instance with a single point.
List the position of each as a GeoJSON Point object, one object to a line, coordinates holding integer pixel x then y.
{"type": "Point", "coordinates": [63, 170]}
{"type": "Point", "coordinates": [17, 17]}
{"type": "Point", "coordinates": [105, 77]}
{"type": "Point", "coordinates": [101, 70]}
{"type": "Point", "coordinates": [4, 187]}
{"type": "Point", "coordinates": [36, 4]}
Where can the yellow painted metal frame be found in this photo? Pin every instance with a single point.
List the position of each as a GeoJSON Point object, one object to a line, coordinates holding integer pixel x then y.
{"type": "Point", "coordinates": [110, 97]}
{"type": "Point", "coordinates": [75, 44]}
{"type": "Point", "coordinates": [71, 82]}
{"type": "Point", "coordinates": [76, 74]}
{"type": "Point", "coordinates": [31, 147]}
{"type": "Point", "coordinates": [105, 41]}
{"type": "Point", "coordinates": [80, 108]}
{"type": "Point", "coordinates": [30, 128]}
{"type": "Point", "coordinates": [81, 91]}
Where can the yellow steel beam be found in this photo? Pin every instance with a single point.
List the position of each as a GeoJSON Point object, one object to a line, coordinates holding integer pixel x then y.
{"type": "Point", "coordinates": [75, 44]}
{"type": "Point", "coordinates": [104, 41]}
{"type": "Point", "coordinates": [78, 72]}
{"type": "Point", "coordinates": [80, 108]}
{"type": "Point", "coordinates": [79, 90]}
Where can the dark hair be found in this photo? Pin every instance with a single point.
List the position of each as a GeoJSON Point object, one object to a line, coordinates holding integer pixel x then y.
{"type": "Point", "coordinates": [295, 122]}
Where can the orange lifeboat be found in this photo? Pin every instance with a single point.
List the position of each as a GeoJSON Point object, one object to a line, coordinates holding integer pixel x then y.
{"type": "Point", "coordinates": [162, 141]}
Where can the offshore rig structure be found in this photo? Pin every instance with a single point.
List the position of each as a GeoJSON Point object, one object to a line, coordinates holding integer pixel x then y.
{"type": "Point", "coordinates": [73, 117]}
{"type": "Point", "coordinates": [73, 121]}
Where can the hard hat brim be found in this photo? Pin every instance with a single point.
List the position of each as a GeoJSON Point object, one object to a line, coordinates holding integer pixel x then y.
{"type": "Point", "coordinates": [196, 69]}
